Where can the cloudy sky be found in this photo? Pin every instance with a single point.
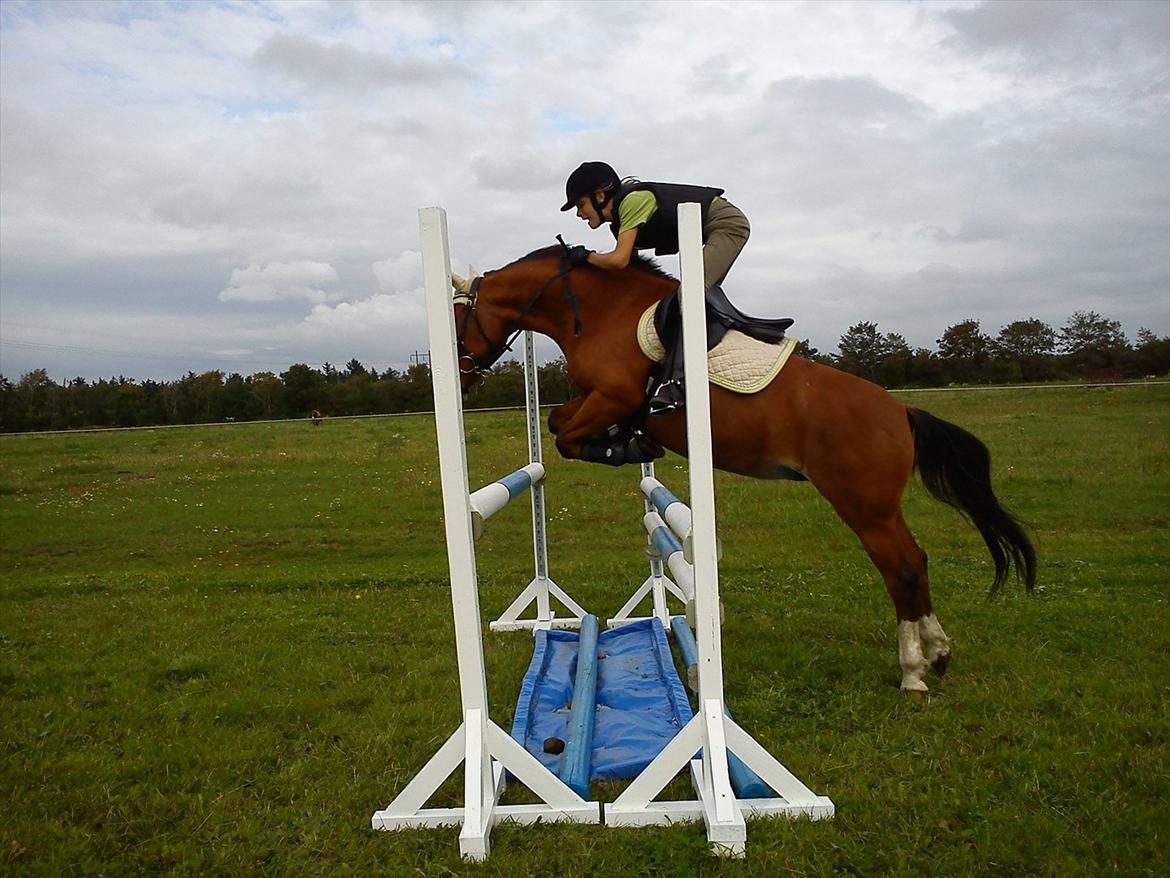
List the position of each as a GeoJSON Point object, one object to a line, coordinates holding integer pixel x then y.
{"type": "Point", "coordinates": [235, 185]}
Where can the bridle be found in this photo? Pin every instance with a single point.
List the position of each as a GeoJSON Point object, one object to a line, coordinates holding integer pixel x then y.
{"type": "Point", "coordinates": [478, 365]}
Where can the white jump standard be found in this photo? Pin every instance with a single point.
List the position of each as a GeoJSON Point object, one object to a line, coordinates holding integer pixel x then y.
{"type": "Point", "coordinates": [541, 589]}
{"type": "Point", "coordinates": [711, 730]}
{"type": "Point", "coordinates": [485, 750]}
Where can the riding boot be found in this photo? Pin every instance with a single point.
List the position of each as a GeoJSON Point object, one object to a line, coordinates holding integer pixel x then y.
{"type": "Point", "coordinates": [669, 395]}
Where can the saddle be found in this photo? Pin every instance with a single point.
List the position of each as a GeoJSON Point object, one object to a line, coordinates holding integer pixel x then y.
{"type": "Point", "coordinates": [721, 316]}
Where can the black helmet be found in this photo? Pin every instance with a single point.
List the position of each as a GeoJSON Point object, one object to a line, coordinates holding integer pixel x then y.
{"type": "Point", "coordinates": [586, 180]}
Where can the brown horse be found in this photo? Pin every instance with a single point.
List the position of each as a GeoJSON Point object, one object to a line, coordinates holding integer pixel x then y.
{"type": "Point", "coordinates": [856, 443]}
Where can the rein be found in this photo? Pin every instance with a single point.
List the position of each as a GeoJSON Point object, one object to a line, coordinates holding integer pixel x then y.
{"type": "Point", "coordinates": [496, 349]}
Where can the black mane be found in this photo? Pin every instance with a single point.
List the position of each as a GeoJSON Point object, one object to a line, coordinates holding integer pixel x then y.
{"type": "Point", "coordinates": [637, 261]}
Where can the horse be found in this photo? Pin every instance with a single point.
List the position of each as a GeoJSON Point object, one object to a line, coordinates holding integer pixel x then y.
{"type": "Point", "coordinates": [850, 438]}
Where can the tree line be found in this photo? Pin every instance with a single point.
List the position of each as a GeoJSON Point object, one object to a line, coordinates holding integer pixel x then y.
{"type": "Point", "coordinates": [1088, 347]}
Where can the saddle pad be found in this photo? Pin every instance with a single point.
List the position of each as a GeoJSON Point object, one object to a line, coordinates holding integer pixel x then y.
{"type": "Point", "coordinates": [739, 363]}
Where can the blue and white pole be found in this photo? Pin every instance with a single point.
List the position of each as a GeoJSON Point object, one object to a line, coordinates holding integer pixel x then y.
{"type": "Point", "coordinates": [490, 499]}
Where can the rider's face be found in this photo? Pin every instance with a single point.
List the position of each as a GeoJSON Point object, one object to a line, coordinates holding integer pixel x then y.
{"type": "Point", "coordinates": [587, 212]}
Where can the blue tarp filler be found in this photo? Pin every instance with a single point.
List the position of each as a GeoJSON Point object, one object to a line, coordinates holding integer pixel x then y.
{"type": "Point", "coordinates": [641, 703]}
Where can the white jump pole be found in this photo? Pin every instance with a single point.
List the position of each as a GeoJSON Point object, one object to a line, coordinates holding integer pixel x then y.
{"type": "Point", "coordinates": [658, 587]}
{"type": "Point", "coordinates": [542, 587]}
{"type": "Point", "coordinates": [710, 730]}
{"type": "Point", "coordinates": [485, 749]}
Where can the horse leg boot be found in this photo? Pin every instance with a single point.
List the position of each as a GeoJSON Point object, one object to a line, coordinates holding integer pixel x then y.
{"type": "Point", "coordinates": [903, 567]}
{"type": "Point", "coordinates": [589, 434]}
{"type": "Point", "coordinates": [935, 643]}
{"type": "Point", "coordinates": [617, 446]}
{"type": "Point", "coordinates": [613, 446]}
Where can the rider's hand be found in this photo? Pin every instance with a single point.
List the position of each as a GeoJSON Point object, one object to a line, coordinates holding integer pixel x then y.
{"type": "Point", "coordinates": [578, 256]}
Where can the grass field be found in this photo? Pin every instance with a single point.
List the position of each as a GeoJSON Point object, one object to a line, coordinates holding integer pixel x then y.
{"type": "Point", "coordinates": [221, 649]}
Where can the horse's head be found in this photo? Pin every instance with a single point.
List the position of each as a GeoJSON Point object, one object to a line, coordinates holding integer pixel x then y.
{"type": "Point", "coordinates": [491, 309]}
{"type": "Point", "coordinates": [473, 343]}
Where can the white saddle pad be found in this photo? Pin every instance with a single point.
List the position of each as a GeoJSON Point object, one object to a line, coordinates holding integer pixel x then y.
{"type": "Point", "coordinates": [738, 363]}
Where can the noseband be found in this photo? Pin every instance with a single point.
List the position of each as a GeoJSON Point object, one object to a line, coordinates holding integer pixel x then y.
{"type": "Point", "coordinates": [496, 350]}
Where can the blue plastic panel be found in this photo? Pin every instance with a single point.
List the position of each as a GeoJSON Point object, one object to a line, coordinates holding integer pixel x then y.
{"type": "Point", "coordinates": [641, 703]}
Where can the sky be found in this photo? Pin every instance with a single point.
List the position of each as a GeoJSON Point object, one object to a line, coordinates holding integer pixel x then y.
{"type": "Point", "coordinates": [235, 185]}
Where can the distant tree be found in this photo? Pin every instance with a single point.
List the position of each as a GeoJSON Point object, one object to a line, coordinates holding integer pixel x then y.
{"type": "Point", "coordinates": [555, 384]}
{"type": "Point", "coordinates": [1028, 345]}
{"type": "Point", "coordinates": [1151, 355]}
{"type": "Point", "coordinates": [354, 367]}
{"type": "Point", "coordinates": [267, 390]}
{"type": "Point", "coordinates": [203, 392]}
{"type": "Point", "coordinates": [416, 389]}
{"type": "Point", "coordinates": [1088, 330]}
{"type": "Point", "coordinates": [805, 350]}
{"type": "Point", "coordinates": [304, 390]}
{"type": "Point", "coordinates": [237, 402]}
{"type": "Point", "coordinates": [1094, 346]}
{"type": "Point", "coordinates": [34, 394]}
{"type": "Point", "coordinates": [925, 369]}
{"type": "Point", "coordinates": [896, 363]}
{"type": "Point", "coordinates": [882, 359]}
{"type": "Point", "coordinates": [1026, 338]}
{"type": "Point", "coordinates": [964, 350]}
{"type": "Point", "coordinates": [9, 420]}
{"type": "Point", "coordinates": [503, 385]}
{"type": "Point", "coordinates": [862, 350]}
{"type": "Point", "coordinates": [808, 352]}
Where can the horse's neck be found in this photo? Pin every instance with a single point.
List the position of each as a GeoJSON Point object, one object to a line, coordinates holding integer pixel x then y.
{"type": "Point", "coordinates": [596, 297]}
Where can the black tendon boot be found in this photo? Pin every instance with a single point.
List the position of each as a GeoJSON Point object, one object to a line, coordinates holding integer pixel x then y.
{"type": "Point", "coordinates": [616, 447]}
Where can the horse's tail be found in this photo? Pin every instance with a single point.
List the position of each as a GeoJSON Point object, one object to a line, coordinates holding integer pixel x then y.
{"type": "Point", "coordinates": [956, 468]}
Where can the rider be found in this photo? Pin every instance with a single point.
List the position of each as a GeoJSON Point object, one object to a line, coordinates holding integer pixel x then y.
{"type": "Point", "coordinates": [645, 215]}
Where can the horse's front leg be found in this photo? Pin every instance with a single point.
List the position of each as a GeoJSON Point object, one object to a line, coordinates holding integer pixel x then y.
{"type": "Point", "coordinates": [581, 432]}
{"type": "Point", "coordinates": [562, 414]}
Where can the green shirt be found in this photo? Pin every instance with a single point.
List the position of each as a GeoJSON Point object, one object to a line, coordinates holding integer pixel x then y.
{"type": "Point", "coordinates": [636, 209]}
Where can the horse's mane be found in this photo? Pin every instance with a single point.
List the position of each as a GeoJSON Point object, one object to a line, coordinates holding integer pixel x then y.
{"type": "Point", "coordinates": [637, 261]}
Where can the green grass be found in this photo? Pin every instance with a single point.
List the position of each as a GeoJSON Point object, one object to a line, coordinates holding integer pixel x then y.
{"type": "Point", "coordinates": [222, 649]}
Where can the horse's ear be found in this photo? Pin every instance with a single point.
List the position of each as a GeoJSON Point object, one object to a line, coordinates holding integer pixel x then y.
{"type": "Point", "coordinates": [461, 285]}
{"type": "Point", "coordinates": [471, 272]}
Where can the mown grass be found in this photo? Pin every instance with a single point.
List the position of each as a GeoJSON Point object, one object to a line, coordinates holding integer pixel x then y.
{"type": "Point", "coordinates": [222, 649]}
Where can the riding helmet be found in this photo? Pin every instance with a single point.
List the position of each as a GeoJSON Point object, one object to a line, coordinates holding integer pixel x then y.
{"type": "Point", "coordinates": [587, 179]}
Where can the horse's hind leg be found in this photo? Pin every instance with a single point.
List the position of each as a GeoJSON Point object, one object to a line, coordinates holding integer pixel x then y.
{"type": "Point", "coordinates": [921, 641]}
{"type": "Point", "coordinates": [935, 643]}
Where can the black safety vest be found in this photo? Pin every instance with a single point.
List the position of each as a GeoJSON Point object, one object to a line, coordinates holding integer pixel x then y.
{"type": "Point", "coordinates": [661, 230]}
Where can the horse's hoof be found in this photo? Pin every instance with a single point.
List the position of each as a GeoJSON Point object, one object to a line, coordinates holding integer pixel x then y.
{"type": "Point", "coordinates": [941, 663]}
{"type": "Point", "coordinates": [915, 694]}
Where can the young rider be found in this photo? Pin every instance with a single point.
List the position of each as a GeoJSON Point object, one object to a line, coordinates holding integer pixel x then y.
{"type": "Point", "coordinates": [643, 216]}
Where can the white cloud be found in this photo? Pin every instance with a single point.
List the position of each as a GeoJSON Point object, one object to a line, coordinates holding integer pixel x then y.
{"type": "Point", "coordinates": [381, 319]}
{"type": "Point", "coordinates": [281, 280]}
{"type": "Point", "coordinates": [403, 272]}
{"type": "Point", "coordinates": [150, 152]}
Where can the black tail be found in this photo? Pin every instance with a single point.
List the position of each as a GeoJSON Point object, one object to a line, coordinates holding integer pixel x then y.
{"type": "Point", "coordinates": [956, 468]}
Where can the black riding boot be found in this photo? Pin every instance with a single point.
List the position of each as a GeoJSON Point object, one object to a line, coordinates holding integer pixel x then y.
{"type": "Point", "coordinates": [670, 394]}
